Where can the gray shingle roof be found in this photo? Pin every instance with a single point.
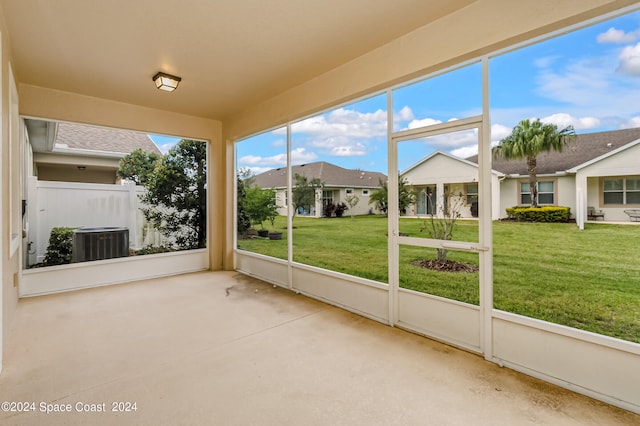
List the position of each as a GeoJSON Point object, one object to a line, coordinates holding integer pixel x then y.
{"type": "Point", "coordinates": [93, 138]}
{"type": "Point", "coordinates": [583, 148]}
{"type": "Point", "coordinates": [329, 174]}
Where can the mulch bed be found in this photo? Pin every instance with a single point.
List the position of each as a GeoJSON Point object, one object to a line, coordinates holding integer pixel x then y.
{"type": "Point", "coordinates": [446, 266]}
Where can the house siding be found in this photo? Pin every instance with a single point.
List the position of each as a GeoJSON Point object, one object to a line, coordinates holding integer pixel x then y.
{"type": "Point", "coordinates": [339, 195]}
{"type": "Point", "coordinates": [623, 163]}
{"type": "Point", "coordinates": [566, 193]}
{"type": "Point", "coordinates": [509, 195]}
{"type": "Point", "coordinates": [440, 170]}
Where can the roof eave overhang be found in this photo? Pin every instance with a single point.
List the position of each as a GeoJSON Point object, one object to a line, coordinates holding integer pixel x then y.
{"type": "Point", "coordinates": [87, 153]}
{"type": "Point", "coordinates": [539, 175]}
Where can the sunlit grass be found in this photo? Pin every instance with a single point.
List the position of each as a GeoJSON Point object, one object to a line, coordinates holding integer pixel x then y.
{"type": "Point", "coordinates": [585, 279]}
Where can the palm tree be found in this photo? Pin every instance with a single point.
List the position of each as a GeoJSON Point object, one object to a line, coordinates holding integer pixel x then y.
{"type": "Point", "coordinates": [380, 197]}
{"type": "Point", "coordinates": [527, 140]}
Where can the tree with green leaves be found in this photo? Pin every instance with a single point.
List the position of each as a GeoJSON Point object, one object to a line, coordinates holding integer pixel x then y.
{"type": "Point", "coordinates": [260, 205]}
{"type": "Point", "coordinates": [303, 193]}
{"type": "Point", "coordinates": [243, 220]}
{"type": "Point", "coordinates": [380, 197]}
{"type": "Point", "coordinates": [244, 181]}
{"type": "Point", "coordinates": [176, 195]}
{"type": "Point", "coordinates": [527, 140]}
{"type": "Point", "coordinates": [137, 166]}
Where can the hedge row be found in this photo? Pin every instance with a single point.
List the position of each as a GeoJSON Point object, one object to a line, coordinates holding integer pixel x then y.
{"type": "Point", "coordinates": [539, 214]}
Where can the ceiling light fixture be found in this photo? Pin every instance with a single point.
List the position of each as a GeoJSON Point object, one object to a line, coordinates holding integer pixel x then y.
{"type": "Point", "coordinates": [166, 82]}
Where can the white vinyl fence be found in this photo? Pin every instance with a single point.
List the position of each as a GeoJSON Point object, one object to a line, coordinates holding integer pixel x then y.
{"type": "Point", "coordinates": [76, 205]}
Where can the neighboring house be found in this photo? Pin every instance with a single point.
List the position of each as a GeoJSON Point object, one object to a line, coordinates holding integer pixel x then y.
{"type": "Point", "coordinates": [441, 177]}
{"type": "Point", "coordinates": [600, 170]}
{"type": "Point", "coordinates": [338, 184]}
{"type": "Point", "coordinates": [70, 152]}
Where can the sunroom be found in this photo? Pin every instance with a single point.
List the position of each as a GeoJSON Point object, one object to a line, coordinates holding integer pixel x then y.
{"type": "Point", "coordinates": [375, 86]}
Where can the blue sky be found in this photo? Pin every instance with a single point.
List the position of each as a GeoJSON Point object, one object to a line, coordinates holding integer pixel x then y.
{"type": "Point", "coordinates": [589, 79]}
{"type": "Point", "coordinates": [164, 143]}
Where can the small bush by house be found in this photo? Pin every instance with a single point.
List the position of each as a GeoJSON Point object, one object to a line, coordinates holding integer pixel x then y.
{"type": "Point", "coordinates": [60, 247]}
{"type": "Point", "coordinates": [539, 214]}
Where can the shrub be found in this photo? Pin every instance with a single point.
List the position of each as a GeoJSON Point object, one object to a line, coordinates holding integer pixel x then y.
{"type": "Point", "coordinates": [329, 209]}
{"type": "Point", "coordinates": [539, 214]}
{"type": "Point", "coordinates": [151, 249]}
{"type": "Point", "coordinates": [60, 246]}
{"type": "Point", "coordinates": [340, 209]}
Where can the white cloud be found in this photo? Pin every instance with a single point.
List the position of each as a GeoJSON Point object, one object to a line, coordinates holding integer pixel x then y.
{"type": "Point", "coordinates": [405, 114]}
{"type": "Point", "coordinates": [465, 152]}
{"type": "Point", "coordinates": [415, 124]}
{"type": "Point", "coordinates": [590, 88]}
{"type": "Point", "coordinates": [448, 142]}
{"type": "Point", "coordinates": [613, 35]}
{"type": "Point", "coordinates": [466, 142]}
{"type": "Point", "coordinates": [257, 170]}
{"type": "Point", "coordinates": [578, 83]}
{"type": "Point", "coordinates": [344, 122]}
{"type": "Point", "coordinates": [357, 149]}
{"type": "Point", "coordinates": [343, 132]}
{"type": "Point", "coordinates": [298, 156]}
{"type": "Point", "coordinates": [341, 146]}
{"type": "Point", "coordinates": [631, 123]}
{"type": "Point", "coordinates": [462, 144]}
{"type": "Point", "coordinates": [563, 120]}
{"type": "Point", "coordinates": [545, 61]}
{"type": "Point", "coordinates": [630, 60]}
{"type": "Point", "coordinates": [251, 159]}
{"type": "Point", "coordinates": [499, 132]}
{"type": "Point", "coordinates": [301, 156]}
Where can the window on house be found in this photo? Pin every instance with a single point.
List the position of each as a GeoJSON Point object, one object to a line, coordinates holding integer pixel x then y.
{"type": "Point", "coordinates": [349, 191]}
{"type": "Point", "coordinates": [621, 191]}
{"type": "Point", "coordinates": [471, 189]}
{"type": "Point", "coordinates": [327, 197]}
{"type": "Point", "coordinates": [365, 192]}
{"type": "Point", "coordinates": [546, 194]}
{"type": "Point", "coordinates": [633, 191]}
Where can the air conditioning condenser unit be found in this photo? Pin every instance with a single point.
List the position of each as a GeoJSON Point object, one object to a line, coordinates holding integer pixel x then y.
{"type": "Point", "coordinates": [100, 243]}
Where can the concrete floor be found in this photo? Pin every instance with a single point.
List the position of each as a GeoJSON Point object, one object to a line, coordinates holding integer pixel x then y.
{"type": "Point", "coordinates": [219, 348]}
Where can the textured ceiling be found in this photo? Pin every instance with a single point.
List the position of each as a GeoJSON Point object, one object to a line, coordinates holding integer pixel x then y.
{"type": "Point", "coordinates": [230, 54]}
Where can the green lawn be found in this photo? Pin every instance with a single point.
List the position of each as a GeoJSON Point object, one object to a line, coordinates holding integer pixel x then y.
{"type": "Point", "coordinates": [585, 279]}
